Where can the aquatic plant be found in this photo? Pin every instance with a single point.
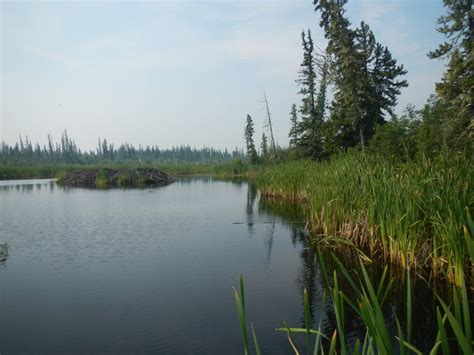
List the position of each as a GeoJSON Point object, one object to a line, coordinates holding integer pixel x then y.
{"type": "Point", "coordinates": [367, 301]}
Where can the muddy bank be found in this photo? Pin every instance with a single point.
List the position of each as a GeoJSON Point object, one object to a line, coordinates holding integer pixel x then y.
{"type": "Point", "coordinates": [105, 178]}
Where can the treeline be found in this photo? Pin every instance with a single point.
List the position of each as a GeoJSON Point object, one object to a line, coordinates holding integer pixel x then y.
{"type": "Point", "coordinates": [25, 152]}
{"type": "Point", "coordinates": [365, 81]}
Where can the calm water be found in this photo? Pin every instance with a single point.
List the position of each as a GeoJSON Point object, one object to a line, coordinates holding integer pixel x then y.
{"type": "Point", "coordinates": [149, 270]}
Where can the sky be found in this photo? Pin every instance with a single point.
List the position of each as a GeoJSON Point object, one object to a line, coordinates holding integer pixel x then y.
{"type": "Point", "coordinates": [172, 73]}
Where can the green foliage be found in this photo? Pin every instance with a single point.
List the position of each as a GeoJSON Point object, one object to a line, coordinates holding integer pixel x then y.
{"type": "Point", "coordinates": [432, 136]}
{"type": "Point", "coordinates": [293, 134]}
{"type": "Point", "coordinates": [338, 132]}
{"type": "Point", "coordinates": [102, 180]}
{"type": "Point", "coordinates": [398, 138]}
{"type": "Point", "coordinates": [249, 142]}
{"type": "Point", "coordinates": [125, 180]}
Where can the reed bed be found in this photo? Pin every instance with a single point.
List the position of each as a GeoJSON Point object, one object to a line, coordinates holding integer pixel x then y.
{"type": "Point", "coordinates": [415, 214]}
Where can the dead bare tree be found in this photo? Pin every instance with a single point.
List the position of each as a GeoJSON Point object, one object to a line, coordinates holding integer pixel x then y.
{"type": "Point", "coordinates": [269, 122]}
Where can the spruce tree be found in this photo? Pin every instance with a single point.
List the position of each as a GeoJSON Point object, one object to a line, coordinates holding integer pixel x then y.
{"type": "Point", "coordinates": [378, 86]}
{"type": "Point", "coordinates": [365, 74]}
{"type": "Point", "coordinates": [248, 132]}
{"type": "Point", "coordinates": [293, 134]}
{"type": "Point", "coordinates": [310, 125]}
{"type": "Point", "coordinates": [456, 89]}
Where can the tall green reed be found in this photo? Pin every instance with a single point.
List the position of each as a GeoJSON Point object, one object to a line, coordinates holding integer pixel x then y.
{"type": "Point", "coordinates": [367, 300]}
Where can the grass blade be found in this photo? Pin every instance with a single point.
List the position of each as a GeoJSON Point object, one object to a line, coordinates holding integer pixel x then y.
{"type": "Point", "coordinates": [409, 307]}
{"type": "Point", "coordinates": [463, 342]}
{"type": "Point", "coordinates": [255, 341]}
{"type": "Point", "coordinates": [307, 316]}
{"type": "Point", "coordinates": [332, 347]}
{"type": "Point", "coordinates": [442, 333]}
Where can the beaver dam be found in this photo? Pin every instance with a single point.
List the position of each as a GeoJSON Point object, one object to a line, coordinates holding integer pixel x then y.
{"type": "Point", "coordinates": [105, 178]}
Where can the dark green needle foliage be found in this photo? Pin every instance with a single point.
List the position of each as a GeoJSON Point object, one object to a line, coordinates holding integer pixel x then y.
{"type": "Point", "coordinates": [310, 125]}
{"type": "Point", "coordinates": [455, 91]}
{"type": "Point", "coordinates": [366, 76]}
{"type": "Point", "coordinates": [293, 134]}
{"type": "Point", "coordinates": [249, 142]}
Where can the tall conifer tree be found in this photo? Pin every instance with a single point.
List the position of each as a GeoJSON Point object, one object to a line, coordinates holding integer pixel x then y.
{"type": "Point", "coordinates": [456, 89]}
{"type": "Point", "coordinates": [366, 75]}
{"type": "Point", "coordinates": [310, 125]}
{"type": "Point", "coordinates": [293, 134]}
{"type": "Point", "coordinates": [249, 132]}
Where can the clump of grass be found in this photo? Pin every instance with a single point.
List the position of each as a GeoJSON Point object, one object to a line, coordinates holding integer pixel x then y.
{"type": "Point", "coordinates": [124, 180]}
{"type": "Point", "coordinates": [102, 180]}
{"type": "Point", "coordinates": [415, 214]}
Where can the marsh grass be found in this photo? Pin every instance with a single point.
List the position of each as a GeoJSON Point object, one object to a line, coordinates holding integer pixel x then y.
{"type": "Point", "coordinates": [415, 215]}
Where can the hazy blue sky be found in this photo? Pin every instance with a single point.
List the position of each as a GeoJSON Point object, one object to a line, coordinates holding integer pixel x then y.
{"type": "Point", "coordinates": [179, 72]}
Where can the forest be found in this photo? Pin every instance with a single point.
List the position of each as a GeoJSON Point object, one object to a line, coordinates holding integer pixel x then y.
{"type": "Point", "coordinates": [67, 152]}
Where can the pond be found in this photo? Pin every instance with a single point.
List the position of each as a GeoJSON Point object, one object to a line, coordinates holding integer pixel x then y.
{"type": "Point", "coordinates": [150, 270]}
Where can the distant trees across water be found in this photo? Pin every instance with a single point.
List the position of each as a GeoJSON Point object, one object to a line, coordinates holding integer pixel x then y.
{"type": "Point", "coordinates": [66, 151]}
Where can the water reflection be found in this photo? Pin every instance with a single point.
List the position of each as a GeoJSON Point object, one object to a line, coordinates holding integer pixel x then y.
{"type": "Point", "coordinates": [268, 241]}
{"type": "Point", "coordinates": [3, 254]}
{"type": "Point", "coordinates": [251, 198]}
{"type": "Point", "coordinates": [318, 285]}
{"type": "Point", "coordinates": [27, 185]}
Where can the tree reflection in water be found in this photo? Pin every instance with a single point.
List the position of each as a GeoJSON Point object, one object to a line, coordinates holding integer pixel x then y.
{"type": "Point", "coordinates": [251, 198]}
{"type": "Point", "coordinates": [3, 254]}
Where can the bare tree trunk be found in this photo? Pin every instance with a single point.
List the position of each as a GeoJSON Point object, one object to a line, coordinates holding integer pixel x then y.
{"type": "Point", "coordinates": [272, 140]}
